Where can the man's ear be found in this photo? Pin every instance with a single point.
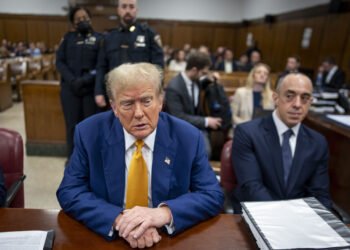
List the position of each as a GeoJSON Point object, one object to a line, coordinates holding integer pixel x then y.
{"type": "Point", "coordinates": [275, 97]}
{"type": "Point", "coordinates": [114, 107]}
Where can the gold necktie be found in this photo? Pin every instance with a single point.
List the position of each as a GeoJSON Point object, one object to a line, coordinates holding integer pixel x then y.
{"type": "Point", "coordinates": [137, 187]}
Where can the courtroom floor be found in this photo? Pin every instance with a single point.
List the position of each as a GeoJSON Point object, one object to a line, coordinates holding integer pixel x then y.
{"type": "Point", "coordinates": [44, 174]}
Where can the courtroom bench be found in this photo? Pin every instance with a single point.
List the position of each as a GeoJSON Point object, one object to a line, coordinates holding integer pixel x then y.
{"type": "Point", "coordinates": [5, 86]}
{"type": "Point", "coordinates": [44, 121]}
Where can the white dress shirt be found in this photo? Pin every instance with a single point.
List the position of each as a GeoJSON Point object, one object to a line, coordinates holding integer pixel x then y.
{"type": "Point", "coordinates": [281, 128]}
{"type": "Point", "coordinates": [228, 66]}
{"type": "Point", "coordinates": [331, 73]}
{"type": "Point", "coordinates": [147, 153]}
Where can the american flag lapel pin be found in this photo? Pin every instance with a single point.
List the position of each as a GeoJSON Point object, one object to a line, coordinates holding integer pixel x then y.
{"type": "Point", "coordinates": [167, 160]}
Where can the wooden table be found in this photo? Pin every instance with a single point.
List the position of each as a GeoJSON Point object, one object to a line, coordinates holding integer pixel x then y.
{"type": "Point", "coordinates": [225, 231]}
{"type": "Point", "coordinates": [338, 138]}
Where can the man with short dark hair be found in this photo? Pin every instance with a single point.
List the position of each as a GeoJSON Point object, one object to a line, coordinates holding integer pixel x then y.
{"type": "Point", "coordinates": [130, 42]}
{"type": "Point", "coordinates": [332, 76]}
{"type": "Point", "coordinates": [292, 66]}
{"type": "Point", "coordinates": [135, 169]}
{"type": "Point", "coordinates": [183, 95]}
{"type": "Point", "coordinates": [276, 157]}
{"type": "Point", "coordinates": [228, 64]}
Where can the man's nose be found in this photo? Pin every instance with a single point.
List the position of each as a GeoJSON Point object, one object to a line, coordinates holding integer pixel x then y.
{"type": "Point", "coordinates": [297, 102]}
{"type": "Point", "coordinates": [138, 111]}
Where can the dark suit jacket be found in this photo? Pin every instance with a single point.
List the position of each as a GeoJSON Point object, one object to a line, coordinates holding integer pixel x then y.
{"type": "Point", "coordinates": [221, 66]}
{"type": "Point", "coordinates": [2, 189]}
{"type": "Point", "coordinates": [257, 160]}
{"type": "Point", "coordinates": [337, 80]}
{"type": "Point", "coordinates": [179, 103]}
{"type": "Point", "coordinates": [92, 189]}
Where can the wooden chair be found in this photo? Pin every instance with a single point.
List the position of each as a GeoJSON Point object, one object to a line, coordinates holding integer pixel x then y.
{"type": "Point", "coordinates": [5, 86]}
{"type": "Point", "coordinates": [18, 72]}
{"type": "Point", "coordinates": [34, 68]}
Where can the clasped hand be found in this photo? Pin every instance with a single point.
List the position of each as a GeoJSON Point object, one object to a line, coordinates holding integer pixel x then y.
{"type": "Point", "coordinates": [138, 225]}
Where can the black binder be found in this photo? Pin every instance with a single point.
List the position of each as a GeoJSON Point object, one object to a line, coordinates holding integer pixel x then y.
{"type": "Point", "coordinates": [266, 234]}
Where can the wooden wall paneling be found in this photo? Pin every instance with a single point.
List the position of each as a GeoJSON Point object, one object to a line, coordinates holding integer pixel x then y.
{"type": "Point", "coordinates": [2, 30]}
{"type": "Point", "coordinates": [103, 23]}
{"type": "Point", "coordinates": [203, 36]}
{"type": "Point", "coordinates": [334, 37]}
{"type": "Point", "coordinates": [256, 30]}
{"type": "Point", "coordinates": [295, 30]}
{"type": "Point", "coordinates": [224, 37]}
{"type": "Point", "coordinates": [240, 40]}
{"type": "Point", "coordinates": [181, 34]}
{"type": "Point", "coordinates": [279, 43]}
{"type": "Point", "coordinates": [345, 64]}
{"type": "Point", "coordinates": [15, 29]}
{"type": "Point", "coordinates": [309, 56]}
{"type": "Point", "coordinates": [165, 31]}
{"type": "Point", "coordinates": [57, 29]}
{"type": "Point", "coordinates": [266, 42]}
{"type": "Point", "coordinates": [37, 30]}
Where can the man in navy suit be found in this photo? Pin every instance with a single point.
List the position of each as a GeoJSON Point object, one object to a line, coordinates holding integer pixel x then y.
{"type": "Point", "coordinates": [271, 166]}
{"type": "Point", "coordinates": [182, 187]}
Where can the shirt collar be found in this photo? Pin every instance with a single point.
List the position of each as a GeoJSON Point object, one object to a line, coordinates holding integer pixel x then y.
{"type": "Point", "coordinates": [130, 140]}
{"type": "Point", "coordinates": [187, 80]}
{"type": "Point", "coordinates": [281, 127]}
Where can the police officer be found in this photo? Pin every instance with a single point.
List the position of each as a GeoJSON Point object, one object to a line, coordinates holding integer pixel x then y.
{"type": "Point", "coordinates": [130, 42]}
{"type": "Point", "coordinates": [76, 60]}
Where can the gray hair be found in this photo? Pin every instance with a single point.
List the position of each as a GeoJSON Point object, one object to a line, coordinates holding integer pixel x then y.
{"type": "Point", "coordinates": [128, 75]}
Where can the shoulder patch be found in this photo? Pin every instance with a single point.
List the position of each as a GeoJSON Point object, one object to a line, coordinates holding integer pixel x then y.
{"type": "Point", "coordinates": [158, 40]}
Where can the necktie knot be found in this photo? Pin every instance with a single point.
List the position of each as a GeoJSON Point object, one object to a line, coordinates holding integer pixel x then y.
{"type": "Point", "coordinates": [287, 134]}
{"type": "Point", "coordinates": [139, 144]}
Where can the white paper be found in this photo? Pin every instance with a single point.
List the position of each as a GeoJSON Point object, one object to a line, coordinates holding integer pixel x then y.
{"type": "Point", "coordinates": [293, 224]}
{"type": "Point", "coordinates": [343, 119]}
{"type": "Point", "coordinates": [329, 95]}
{"type": "Point", "coordinates": [23, 240]}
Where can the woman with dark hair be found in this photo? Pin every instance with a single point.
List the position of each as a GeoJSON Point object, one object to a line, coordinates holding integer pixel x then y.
{"type": "Point", "coordinates": [76, 61]}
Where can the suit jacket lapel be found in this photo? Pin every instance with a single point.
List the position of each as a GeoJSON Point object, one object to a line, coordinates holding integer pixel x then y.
{"type": "Point", "coordinates": [275, 151]}
{"type": "Point", "coordinates": [163, 161]}
{"type": "Point", "coordinates": [298, 159]}
{"type": "Point", "coordinates": [113, 158]}
{"type": "Point", "coordinates": [184, 90]}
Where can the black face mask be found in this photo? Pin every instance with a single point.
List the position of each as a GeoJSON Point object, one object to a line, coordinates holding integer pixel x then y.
{"type": "Point", "coordinates": [83, 27]}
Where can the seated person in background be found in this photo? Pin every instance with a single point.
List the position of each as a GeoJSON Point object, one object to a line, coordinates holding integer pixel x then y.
{"type": "Point", "coordinates": [332, 76]}
{"type": "Point", "coordinates": [257, 94]}
{"type": "Point", "coordinates": [276, 157]}
{"type": "Point", "coordinates": [228, 64]}
{"type": "Point", "coordinates": [183, 95]}
{"type": "Point", "coordinates": [292, 66]}
{"type": "Point", "coordinates": [3, 192]}
{"type": "Point", "coordinates": [254, 59]}
{"type": "Point", "coordinates": [135, 169]}
{"type": "Point", "coordinates": [242, 64]}
{"type": "Point", "coordinates": [178, 63]}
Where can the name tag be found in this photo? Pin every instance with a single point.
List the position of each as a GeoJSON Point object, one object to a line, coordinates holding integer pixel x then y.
{"type": "Point", "coordinates": [139, 44]}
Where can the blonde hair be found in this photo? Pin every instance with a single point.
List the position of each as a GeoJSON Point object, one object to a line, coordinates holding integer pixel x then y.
{"type": "Point", "coordinates": [127, 75]}
{"type": "Point", "coordinates": [267, 92]}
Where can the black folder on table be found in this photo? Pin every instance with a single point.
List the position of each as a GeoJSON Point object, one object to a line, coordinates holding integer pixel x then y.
{"type": "Point", "coordinates": [295, 224]}
{"type": "Point", "coordinates": [49, 240]}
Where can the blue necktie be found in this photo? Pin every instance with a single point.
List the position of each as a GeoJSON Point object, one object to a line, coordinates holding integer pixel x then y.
{"type": "Point", "coordinates": [287, 154]}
